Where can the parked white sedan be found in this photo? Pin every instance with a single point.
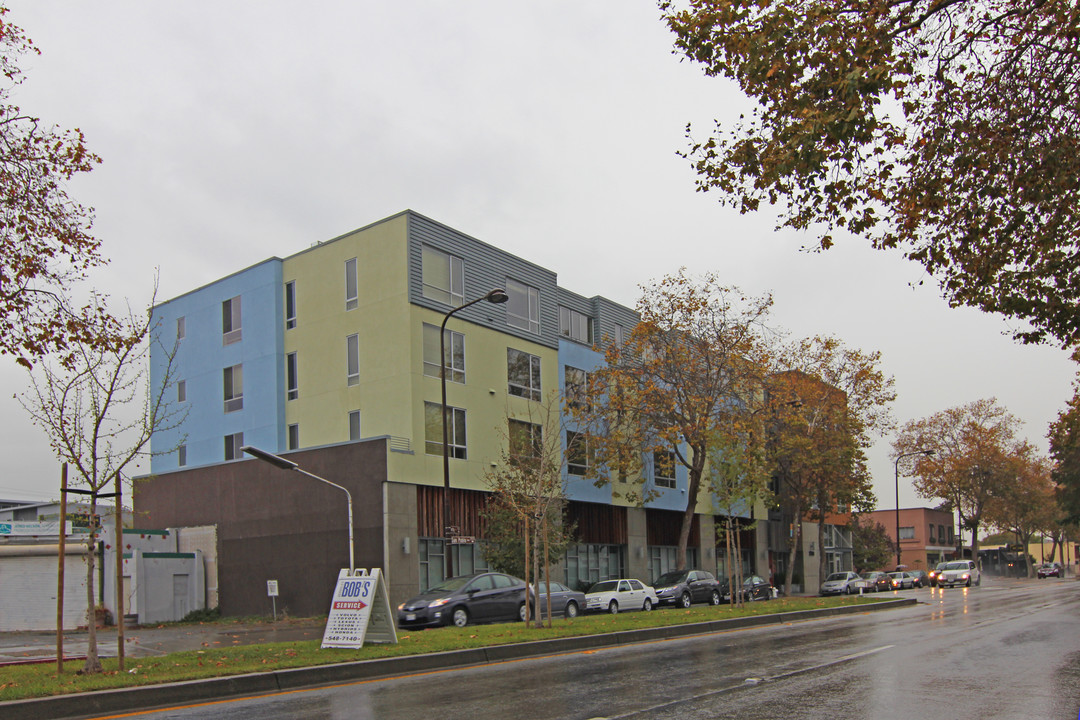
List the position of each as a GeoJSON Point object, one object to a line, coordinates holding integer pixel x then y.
{"type": "Point", "coordinates": [615, 595]}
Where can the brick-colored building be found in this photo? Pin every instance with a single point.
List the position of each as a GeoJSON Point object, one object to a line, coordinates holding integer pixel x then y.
{"type": "Point", "coordinates": [927, 536]}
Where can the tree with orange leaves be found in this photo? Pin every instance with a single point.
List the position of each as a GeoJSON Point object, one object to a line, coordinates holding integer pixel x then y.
{"type": "Point", "coordinates": [1025, 503]}
{"type": "Point", "coordinates": [45, 240]}
{"type": "Point", "coordinates": [689, 373]}
{"type": "Point", "coordinates": [973, 462]}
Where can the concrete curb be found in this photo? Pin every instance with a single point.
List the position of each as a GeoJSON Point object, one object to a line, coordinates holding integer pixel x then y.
{"type": "Point", "coordinates": [159, 696]}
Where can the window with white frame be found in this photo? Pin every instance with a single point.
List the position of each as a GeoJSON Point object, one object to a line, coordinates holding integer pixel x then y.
{"type": "Point", "coordinates": [664, 468]}
{"type": "Point", "coordinates": [294, 437]}
{"type": "Point", "coordinates": [181, 328]}
{"type": "Point", "coordinates": [577, 453]}
{"type": "Point", "coordinates": [233, 443]}
{"type": "Point", "coordinates": [443, 276]}
{"type": "Point", "coordinates": [907, 533]}
{"type": "Point", "coordinates": [181, 390]}
{"type": "Point", "coordinates": [526, 439]}
{"type": "Point", "coordinates": [454, 358]}
{"type": "Point", "coordinates": [523, 306]}
{"type": "Point", "coordinates": [523, 374]}
{"type": "Point", "coordinates": [576, 382]}
{"type": "Point", "coordinates": [230, 321]}
{"type": "Point", "coordinates": [354, 425]}
{"type": "Point", "coordinates": [292, 380]}
{"type": "Point", "coordinates": [455, 430]}
{"type": "Point", "coordinates": [290, 305]}
{"type": "Point", "coordinates": [618, 332]}
{"type": "Point", "coordinates": [351, 296]}
{"type": "Point", "coordinates": [575, 325]}
{"type": "Point", "coordinates": [233, 382]}
{"type": "Point", "coordinates": [352, 360]}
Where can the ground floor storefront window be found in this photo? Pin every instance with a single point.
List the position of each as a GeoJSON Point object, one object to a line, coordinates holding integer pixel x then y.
{"type": "Point", "coordinates": [587, 564]}
{"type": "Point", "coordinates": [665, 558]}
{"type": "Point", "coordinates": [467, 559]}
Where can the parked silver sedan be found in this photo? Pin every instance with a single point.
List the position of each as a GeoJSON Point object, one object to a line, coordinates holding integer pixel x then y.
{"type": "Point", "coordinates": [615, 595]}
{"type": "Point", "coordinates": [842, 583]}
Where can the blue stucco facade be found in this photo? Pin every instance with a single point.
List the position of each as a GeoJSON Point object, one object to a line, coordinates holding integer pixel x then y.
{"type": "Point", "coordinates": [202, 356]}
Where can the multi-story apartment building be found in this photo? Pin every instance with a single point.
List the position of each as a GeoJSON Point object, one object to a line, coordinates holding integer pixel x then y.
{"type": "Point", "coordinates": [331, 357]}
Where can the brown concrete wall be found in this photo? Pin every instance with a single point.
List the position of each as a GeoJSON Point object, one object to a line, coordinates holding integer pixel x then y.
{"type": "Point", "coordinates": [277, 524]}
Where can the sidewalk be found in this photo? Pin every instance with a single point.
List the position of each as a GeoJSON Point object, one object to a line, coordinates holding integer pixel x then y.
{"type": "Point", "coordinates": [21, 647]}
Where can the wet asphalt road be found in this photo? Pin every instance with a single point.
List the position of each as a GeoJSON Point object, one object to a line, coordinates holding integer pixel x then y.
{"type": "Point", "coordinates": [1004, 650]}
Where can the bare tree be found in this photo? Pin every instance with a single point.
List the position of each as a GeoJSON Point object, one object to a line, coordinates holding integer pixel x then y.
{"type": "Point", "coordinates": [99, 411]}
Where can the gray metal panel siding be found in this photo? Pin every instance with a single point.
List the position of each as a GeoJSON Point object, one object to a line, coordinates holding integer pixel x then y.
{"type": "Point", "coordinates": [486, 267]}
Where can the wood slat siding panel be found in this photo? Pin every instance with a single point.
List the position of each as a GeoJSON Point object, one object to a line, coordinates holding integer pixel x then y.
{"type": "Point", "coordinates": [465, 508]}
{"type": "Point", "coordinates": [486, 267]}
{"type": "Point", "coordinates": [600, 524]}
{"type": "Point", "coordinates": [662, 528]}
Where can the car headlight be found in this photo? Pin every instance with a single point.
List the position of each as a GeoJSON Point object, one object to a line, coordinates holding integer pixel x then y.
{"type": "Point", "coordinates": [438, 603]}
{"type": "Point", "coordinates": [965, 576]}
{"type": "Point", "coordinates": [401, 607]}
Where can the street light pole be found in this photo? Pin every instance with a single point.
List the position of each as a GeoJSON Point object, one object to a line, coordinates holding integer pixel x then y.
{"type": "Point", "coordinates": [284, 464]}
{"type": "Point", "coordinates": [496, 296]}
{"type": "Point", "coordinates": [927, 453]}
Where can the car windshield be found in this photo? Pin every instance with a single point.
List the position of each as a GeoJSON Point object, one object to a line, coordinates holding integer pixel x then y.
{"type": "Point", "coordinates": [671, 578]}
{"type": "Point", "coordinates": [836, 577]}
{"type": "Point", "coordinates": [957, 566]}
{"type": "Point", "coordinates": [606, 586]}
{"type": "Point", "coordinates": [451, 584]}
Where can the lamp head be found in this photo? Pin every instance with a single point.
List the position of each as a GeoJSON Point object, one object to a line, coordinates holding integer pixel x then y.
{"type": "Point", "coordinates": [497, 296]}
{"type": "Point", "coordinates": [269, 458]}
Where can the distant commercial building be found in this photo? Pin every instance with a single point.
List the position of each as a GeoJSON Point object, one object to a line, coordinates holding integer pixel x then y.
{"type": "Point", "coordinates": [927, 536]}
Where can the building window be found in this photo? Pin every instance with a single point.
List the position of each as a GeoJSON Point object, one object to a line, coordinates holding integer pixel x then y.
{"type": "Point", "coordinates": [181, 455]}
{"type": "Point", "coordinates": [234, 388]}
{"type": "Point", "coordinates": [574, 325]}
{"type": "Point", "coordinates": [352, 360]}
{"type": "Point", "coordinates": [354, 425]}
{"type": "Point", "coordinates": [294, 437]}
{"type": "Point", "coordinates": [526, 439]}
{"type": "Point", "coordinates": [523, 374]}
{"type": "Point", "coordinates": [181, 390]}
{"type": "Point", "coordinates": [523, 306]}
{"type": "Point", "coordinates": [181, 328]}
{"type": "Point", "coordinates": [443, 276]}
{"type": "Point", "coordinates": [455, 430]}
{"type": "Point", "coordinates": [230, 321]}
{"type": "Point", "coordinates": [577, 386]}
{"type": "Point", "coordinates": [431, 553]}
{"type": "Point", "coordinates": [907, 533]}
{"type": "Point", "coordinates": [454, 360]}
{"type": "Point", "coordinates": [941, 533]}
{"type": "Point", "coordinates": [577, 453]}
{"type": "Point", "coordinates": [931, 532]}
{"type": "Point", "coordinates": [351, 296]}
{"type": "Point", "coordinates": [233, 443]}
{"type": "Point", "coordinates": [290, 305]}
{"type": "Point", "coordinates": [618, 335]}
{"type": "Point", "coordinates": [292, 382]}
{"type": "Point", "coordinates": [664, 468]}
{"type": "Point", "coordinates": [588, 564]}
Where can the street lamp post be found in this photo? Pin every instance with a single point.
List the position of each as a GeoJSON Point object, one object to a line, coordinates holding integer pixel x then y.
{"type": "Point", "coordinates": [284, 464]}
{"type": "Point", "coordinates": [495, 296]}
{"type": "Point", "coordinates": [927, 453]}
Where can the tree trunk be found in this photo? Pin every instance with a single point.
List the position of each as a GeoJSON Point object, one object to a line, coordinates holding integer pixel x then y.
{"type": "Point", "coordinates": [528, 603]}
{"type": "Point", "coordinates": [93, 664]}
{"type": "Point", "coordinates": [547, 570]}
{"type": "Point", "coordinates": [691, 504]}
{"type": "Point", "coordinates": [536, 573]}
{"type": "Point", "coordinates": [821, 553]}
{"type": "Point", "coordinates": [793, 549]}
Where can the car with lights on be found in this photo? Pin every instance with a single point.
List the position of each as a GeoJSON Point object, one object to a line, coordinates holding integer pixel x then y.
{"type": "Point", "coordinates": [935, 572]}
{"type": "Point", "coordinates": [614, 596]}
{"type": "Point", "coordinates": [959, 572]}
{"type": "Point", "coordinates": [901, 580]}
{"type": "Point", "coordinates": [477, 598]}
{"type": "Point", "coordinates": [876, 580]}
{"type": "Point", "coordinates": [683, 587]}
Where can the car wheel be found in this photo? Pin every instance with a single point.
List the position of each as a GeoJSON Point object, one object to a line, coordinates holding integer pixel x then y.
{"type": "Point", "coordinates": [521, 612]}
{"type": "Point", "coordinates": [848, 589]}
{"type": "Point", "coordinates": [684, 600]}
{"type": "Point", "coordinates": [979, 581]}
{"type": "Point", "coordinates": [571, 609]}
{"type": "Point", "coordinates": [460, 617]}
{"type": "Point", "coordinates": [714, 599]}
{"type": "Point", "coordinates": [613, 607]}
{"type": "Point", "coordinates": [968, 583]}
{"type": "Point", "coordinates": [647, 605]}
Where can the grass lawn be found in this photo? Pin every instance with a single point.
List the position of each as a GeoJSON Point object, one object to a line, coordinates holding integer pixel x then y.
{"type": "Point", "coordinates": [41, 680]}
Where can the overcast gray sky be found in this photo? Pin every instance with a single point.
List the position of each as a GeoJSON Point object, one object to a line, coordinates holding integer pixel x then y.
{"type": "Point", "coordinates": [232, 131]}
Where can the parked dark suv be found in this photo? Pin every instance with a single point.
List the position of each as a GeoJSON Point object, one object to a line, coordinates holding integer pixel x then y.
{"type": "Point", "coordinates": [682, 587]}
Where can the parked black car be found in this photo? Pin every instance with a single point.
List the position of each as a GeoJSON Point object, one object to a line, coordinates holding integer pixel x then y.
{"type": "Point", "coordinates": [683, 587]}
{"type": "Point", "coordinates": [477, 598]}
{"type": "Point", "coordinates": [754, 587]}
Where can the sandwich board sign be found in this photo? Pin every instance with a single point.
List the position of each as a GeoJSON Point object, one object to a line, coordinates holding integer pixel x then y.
{"type": "Point", "coordinates": [359, 611]}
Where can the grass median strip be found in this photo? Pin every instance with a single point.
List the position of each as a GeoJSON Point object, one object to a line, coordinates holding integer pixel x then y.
{"type": "Point", "coordinates": [41, 680]}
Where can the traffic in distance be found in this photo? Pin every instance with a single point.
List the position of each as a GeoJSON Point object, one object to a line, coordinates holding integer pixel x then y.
{"type": "Point", "coordinates": [951, 573]}
{"type": "Point", "coordinates": [487, 597]}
